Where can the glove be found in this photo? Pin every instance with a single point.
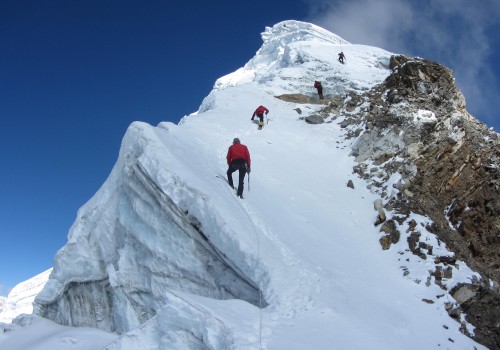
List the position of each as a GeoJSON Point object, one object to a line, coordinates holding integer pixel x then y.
{"type": "Point", "coordinates": [248, 169]}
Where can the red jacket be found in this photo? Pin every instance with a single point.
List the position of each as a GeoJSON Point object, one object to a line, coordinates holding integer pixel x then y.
{"type": "Point", "coordinates": [260, 111]}
{"type": "Point", "coordinates": [236, 151]}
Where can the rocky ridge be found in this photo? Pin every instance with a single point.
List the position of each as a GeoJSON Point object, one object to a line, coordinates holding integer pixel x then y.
{"type": "Point", "coordinates": [413, 132]}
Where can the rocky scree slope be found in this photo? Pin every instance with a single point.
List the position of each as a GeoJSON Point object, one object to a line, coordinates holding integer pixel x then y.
{"type": "Point", "coordinates": [422, 152]}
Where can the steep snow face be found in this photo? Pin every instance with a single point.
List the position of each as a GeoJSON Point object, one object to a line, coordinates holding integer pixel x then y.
{"type": "Point", "coordinates": [167, 253]}
{"type": "Point", "coordinates": [136, 239]}
{"type": "Point", "coordinates": [21, 297]}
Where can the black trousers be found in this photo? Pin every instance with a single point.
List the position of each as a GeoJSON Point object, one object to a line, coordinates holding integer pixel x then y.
{"type": "Point", "coordinates": [241, 165]}
{"type": "Point", "coordinates": [261, 118]}
{"type": "Point", "coordinates": [320, 93]}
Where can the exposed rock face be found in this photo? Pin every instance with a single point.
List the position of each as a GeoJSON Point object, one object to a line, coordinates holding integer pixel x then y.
{"type": "Point", "coordinates": [314, 119]}
{"type": "Point", "coordinates": [416, 125]}
{"type": "Point", "coordinates": [299, 98]}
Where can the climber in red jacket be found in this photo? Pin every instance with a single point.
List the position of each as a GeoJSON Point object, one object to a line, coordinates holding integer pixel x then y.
{"type": "Point", "coordinates": [238, 158]}
{"type": "Point", "coordinates": [319, 87]}
{"type": "Point", "coordinates": [259, 112]}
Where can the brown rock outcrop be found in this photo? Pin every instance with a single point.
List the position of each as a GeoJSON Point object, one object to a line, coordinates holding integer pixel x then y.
{"type": "Point", "coordinates": [416, 125]}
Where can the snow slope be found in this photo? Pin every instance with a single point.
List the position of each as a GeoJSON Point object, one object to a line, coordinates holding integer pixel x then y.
{"type": "Point", "coordinates": [21, 297]}
{"type": "Point", "coordinates": [301, 239]}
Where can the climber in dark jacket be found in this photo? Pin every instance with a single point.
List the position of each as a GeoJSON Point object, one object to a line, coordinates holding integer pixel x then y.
{"type": "Point", "coordinates": [319, 87]}
{"type": "Point", "coordinates": [341, 57]}
{"type": "Point", "coordinates": [259, 112]}
{"type": "Point", "coordinates": [238, 158]}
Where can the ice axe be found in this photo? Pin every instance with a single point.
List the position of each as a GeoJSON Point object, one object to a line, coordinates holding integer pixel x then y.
{"type": "Point", "coordinates": [248, 179]}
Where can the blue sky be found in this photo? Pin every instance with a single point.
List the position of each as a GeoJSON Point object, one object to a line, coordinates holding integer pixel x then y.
{"type": "Point", "coordinates": [75, 74]}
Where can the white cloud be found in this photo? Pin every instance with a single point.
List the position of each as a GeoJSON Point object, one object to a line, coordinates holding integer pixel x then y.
{"type": "Point", "coordinates": [364, 21]}
{"type": "Point", "coordinates": [455, 33]}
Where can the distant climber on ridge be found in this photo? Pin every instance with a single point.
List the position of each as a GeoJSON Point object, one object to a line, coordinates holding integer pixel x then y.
{"type": "Point", "coordinates": [319, 87]}
{"type": "Point", "coordinates": [341, 57]}
{"type": "Point", "coordinates": [238, 158]}
{"type": "Point", "coordinates": [259, 112]}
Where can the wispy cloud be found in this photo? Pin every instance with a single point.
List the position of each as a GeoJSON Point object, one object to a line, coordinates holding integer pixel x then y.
{"type": "Point", "coordinates": [457, 33]}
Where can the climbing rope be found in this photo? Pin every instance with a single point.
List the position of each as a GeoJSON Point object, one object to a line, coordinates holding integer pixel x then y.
{"type": "Point", "coordinates": [256, 269]}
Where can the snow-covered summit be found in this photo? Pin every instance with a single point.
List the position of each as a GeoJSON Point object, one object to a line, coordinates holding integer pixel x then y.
{"type": "Point", "coordinates": [279, 39]}
{"type": "Point", "coordinates": [295, 54]}
{"type": "Point", "coordinates": [289, 31]}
